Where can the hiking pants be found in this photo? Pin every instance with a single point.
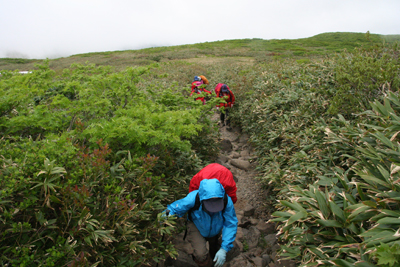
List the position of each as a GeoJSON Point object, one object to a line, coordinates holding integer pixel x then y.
{"type": "Point", "coordinates": [199, 243]}
{"type": "Point", "coordinates": [225, 116]}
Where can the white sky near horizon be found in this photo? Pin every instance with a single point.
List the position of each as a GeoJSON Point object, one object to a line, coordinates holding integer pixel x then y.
{"type": "Point", "coordinates": [60, 28]}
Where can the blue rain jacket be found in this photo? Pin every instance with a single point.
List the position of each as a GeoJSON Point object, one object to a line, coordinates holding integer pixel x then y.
{"type": "Point", "coordinates": [209, 225]}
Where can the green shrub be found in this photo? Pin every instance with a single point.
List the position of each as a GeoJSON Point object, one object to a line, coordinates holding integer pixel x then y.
{"type": "Point", "coordinates": [363, 76]}
{"type": "Point", "coordinates": [333, 178]}
{"type": "Point", "coordinates": [99, 218]}
{"type": "Point", "coordinates": [358, 210]}
{"type": "Point", "coordinates": [111, 150]}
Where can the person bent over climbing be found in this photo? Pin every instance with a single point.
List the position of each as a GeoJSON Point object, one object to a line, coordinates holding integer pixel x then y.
{"type": "Point", "coordinates": [214, 216]}
{"type": "Point", "coordinates": [223, 91]}
{"type": "Point", "coordinates": [198, 89]}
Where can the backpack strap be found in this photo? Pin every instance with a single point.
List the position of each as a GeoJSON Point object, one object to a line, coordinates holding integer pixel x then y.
{"type": "Point", "coordinates": [195, 207]}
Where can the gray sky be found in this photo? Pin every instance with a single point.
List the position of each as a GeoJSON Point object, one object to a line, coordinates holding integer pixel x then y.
{"type": "Point", "coordinates": [59, 28]}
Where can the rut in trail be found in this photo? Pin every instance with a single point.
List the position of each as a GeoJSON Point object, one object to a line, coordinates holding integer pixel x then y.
{"type": "Point", "coordinates": [256, 240]}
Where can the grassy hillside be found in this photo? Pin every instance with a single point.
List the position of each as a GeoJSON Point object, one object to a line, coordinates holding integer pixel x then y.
{"type": "Point", "coordinates": [248, 50]}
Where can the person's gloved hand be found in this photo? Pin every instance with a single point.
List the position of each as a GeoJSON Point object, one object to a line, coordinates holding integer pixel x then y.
{"type": "Point", "coordinates": [165, 214]}
{"type": "Point", "coordinates": [220, 258]}
{"type": "Point", "coordinates": [217, 108]}
{"type": "Point", "coordinates": [231, 105]}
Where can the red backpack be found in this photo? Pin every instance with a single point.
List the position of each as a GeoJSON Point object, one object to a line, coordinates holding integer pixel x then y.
{"type": "Point", "coordinates": [218, 88]}
{"type": "Point", "coordinates": [217, 171]}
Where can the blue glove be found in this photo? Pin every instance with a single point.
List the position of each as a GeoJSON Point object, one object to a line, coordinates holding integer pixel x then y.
{"type": "Point", "coordinates": [220, 258]}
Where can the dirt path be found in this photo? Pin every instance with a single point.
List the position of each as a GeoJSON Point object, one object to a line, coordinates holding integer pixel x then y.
{"type": "Point", "coordinates": [256, 241]}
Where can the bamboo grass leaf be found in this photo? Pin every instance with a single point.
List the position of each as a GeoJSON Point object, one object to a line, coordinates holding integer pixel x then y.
{"type": "Point", "coordinates": [378, 107]}
{"type": "Point", "coordinates": [370, 153]}
{"type": "Point", "coordinates": [369, 203]}
{"type": "Point", "coordinates": [282, 214]}
{"type": "Point", "coordinates": [381, 239]}
{"type": "Point", "coordinates": [392, 213]}
{"type": "Point", "coordinates": [318, 252]}
{"type": "Point", "coordinates": [350, 199]}
{"type": "Point", "coordinates": [380, 136]}
{"type": "Point", "coordinates": [322, 204]}
{"type": "Point", "coordinates": [356, 209]}
{"type": "Point", "coordinates": [360, 192]}
{"type": "Point", "coordinates": [384, 173]}
{"type": "Point", "coordinates": [293, 205]}
{"type": "Point", "coordinates": [329, 223]}
{"type": "Point", "coordinates": [296, 217]}
{"type": "Point", "coordinates": [372, 180]}
{"type": "Point", "coordinates": [389, 220]}
{"type": "Point", "coordinates": [387, 105]}
{"type": "Point", "coordinates": [353, 228]}
{"type": "Point", "coordinates": [337, 211]}
{"type": "Point", "coordinates": [342, 263]}
{"type": "Point", "coordinates": [394, 98]}
{"type": "Point", "coordinates": [364, 264]}
{"type": "Point", "coordinates": [376, 231]}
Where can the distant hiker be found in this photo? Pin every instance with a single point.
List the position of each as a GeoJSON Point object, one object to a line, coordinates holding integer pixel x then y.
{"type": "Point", "coordinates": [201, 78]}
{"type": "Point", "coordinates": [198, 88]}
{"type": "Point", "coordinates": [223, 91]}
{"type": "Point", "coordinates": [210, 214]}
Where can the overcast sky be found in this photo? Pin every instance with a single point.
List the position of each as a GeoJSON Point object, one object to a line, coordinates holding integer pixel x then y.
{"type": "Point", "coordinates": [60, 28]}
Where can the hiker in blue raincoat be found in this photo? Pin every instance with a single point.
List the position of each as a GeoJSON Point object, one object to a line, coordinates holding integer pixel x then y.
{"type": "Point", "coordinates": [214, 215]}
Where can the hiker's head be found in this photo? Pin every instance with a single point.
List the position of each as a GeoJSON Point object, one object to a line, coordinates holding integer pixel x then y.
{"type": "Point", "coordinates": [213, 204]}
{"type": "Point", "coordinates": [197, 78]}
{"type": "Point", "coordinates": [224, 88]}
{"type": "Point", "coordinates": [211, 188]}
{"type": "Point", "coordinates": [197, 84]}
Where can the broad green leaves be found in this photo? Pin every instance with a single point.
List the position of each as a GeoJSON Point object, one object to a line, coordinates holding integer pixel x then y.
{"type": "Point", "coordinates": [112, 143]}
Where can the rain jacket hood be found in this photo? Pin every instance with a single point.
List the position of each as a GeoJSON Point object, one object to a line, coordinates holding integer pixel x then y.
{"type": "Point", "coordinates": [210, 188]}
{"type": "Point", "coordinates": [209, 225]}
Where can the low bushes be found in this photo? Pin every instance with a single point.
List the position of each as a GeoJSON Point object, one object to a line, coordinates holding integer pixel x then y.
{"type": "Point", "coordinates": [335, 177]}
{"type": "Point", "coordinates": [87, 161]}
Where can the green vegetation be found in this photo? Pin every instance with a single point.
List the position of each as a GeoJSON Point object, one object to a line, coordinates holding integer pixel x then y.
{"type": "Point", "coordinates": [326, 134]}
{"type": "Point", "coordinates": [256, 49]}
{"type": "Point", "coordinates": [95, 145]}
{"type": "Point", "coordinates": [88, 158]}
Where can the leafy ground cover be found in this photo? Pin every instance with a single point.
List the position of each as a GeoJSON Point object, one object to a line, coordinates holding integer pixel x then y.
{"type": "Point", "coordinates": [88, 158]}
{"type": "Point", "coordinates": [326, 135]}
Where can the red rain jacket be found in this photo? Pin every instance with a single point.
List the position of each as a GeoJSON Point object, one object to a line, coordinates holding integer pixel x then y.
{"type": "Point", "coordinates": [230, 97]}
{"type": "Point", "coordinates": [215, 170]}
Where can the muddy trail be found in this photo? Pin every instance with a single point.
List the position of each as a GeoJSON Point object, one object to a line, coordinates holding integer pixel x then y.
{"type": "Point", "coordinates": [256, 240]}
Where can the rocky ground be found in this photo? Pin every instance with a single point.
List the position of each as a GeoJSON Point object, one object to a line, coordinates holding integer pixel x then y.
{"type": "Point", "coordinates": [256, 240]}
